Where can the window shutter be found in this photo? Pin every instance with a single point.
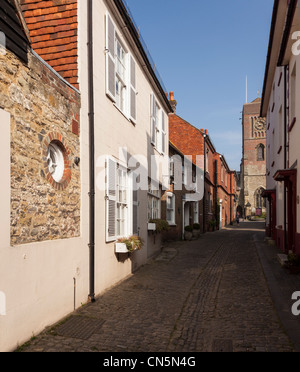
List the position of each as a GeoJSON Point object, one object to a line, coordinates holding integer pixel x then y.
{"type": "Point", "coordinates": [133, 91]}
{"type": "Point", "coordinates": [159, 133]}
{"type": "Point", "coordinates": [110, 59]}
{"type": "Point", "coordinates": [153, 120]}
{"type": "Point", "coordinates": [135, 209]}
{"type": "Point", "coordinates": [111, 199]}
{"type": "Point", "coordinates": [135, 203]}
{"type": "Point", "coordinates": [163, 133]}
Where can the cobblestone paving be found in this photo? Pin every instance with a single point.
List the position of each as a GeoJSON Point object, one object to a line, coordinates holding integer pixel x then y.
{"type": "Point", "coordinates": [211, 296]}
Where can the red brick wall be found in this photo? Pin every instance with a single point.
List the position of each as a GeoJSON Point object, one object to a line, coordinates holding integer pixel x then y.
{"type": "Point", "coordinates": [53, 26]}
{"type": "Point", "coordinates": [190, 141]}
{"type": "Point", "coordinates": [185, 137]}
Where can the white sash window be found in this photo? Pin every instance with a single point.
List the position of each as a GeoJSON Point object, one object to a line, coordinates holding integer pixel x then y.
{"type": "Point", "coordinates": [120, 73]}
{"type": "Point", "coordinates": [122, 203]}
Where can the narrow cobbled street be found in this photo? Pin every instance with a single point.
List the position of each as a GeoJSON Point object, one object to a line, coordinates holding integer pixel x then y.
{"type": "Point", "coordinates": [206, 295]}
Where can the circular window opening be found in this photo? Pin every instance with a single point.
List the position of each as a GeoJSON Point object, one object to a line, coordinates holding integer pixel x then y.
{"type": "Point", "coordinates": [55, 161]}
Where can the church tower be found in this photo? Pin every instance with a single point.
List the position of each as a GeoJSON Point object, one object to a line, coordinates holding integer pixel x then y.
{"type": "Point", "coordinates": [253, 167]}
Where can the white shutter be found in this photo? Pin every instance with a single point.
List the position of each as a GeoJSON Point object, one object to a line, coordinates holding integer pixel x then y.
{"type": "Point", "coordinates": [163, 133]}
{"type": "Point", "coordinates": [159, 132]}
{"type": "Point", "coordinates": [110, 58]}
{"type": "Point", "coordinates": [153, 120]}
{"type": "Point", "coordinates": [111, 199]}
{"type": "Point", "coordinates": [135, 209]}
{"type": "Point", "coordinates": [133, 91]}
{"type": "Point", "coordinates": [135, 203]}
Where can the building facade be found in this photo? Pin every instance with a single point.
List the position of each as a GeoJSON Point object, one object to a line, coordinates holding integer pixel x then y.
{"type": "Point", "coordinates": [85, 157]}
{"type": "Point", "coordinates": [181, 202]}
{"type": "Point", "coordinates": [41, 191]}
{"type": "Point", "coordinates": [217, 207]}
{"type": "Point", "coordinates": [281, 90]}
{"type": "Point", "coordinates": [253, 167]}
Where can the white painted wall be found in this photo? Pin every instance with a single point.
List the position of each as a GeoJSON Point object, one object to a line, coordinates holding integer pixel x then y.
{"type": "Point", "coordinates": [274, 141]}
{"type": "Point", "coordinates": [113, 131]}
{"type": "Point", "coordinates": [294, 135]}
{"type": "Point", "coordinates": [37, 280]}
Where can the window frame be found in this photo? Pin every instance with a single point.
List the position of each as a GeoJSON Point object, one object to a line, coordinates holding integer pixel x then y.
{"type": "Point", "coordinates": [171, 208]}
{"type": "Point", "coordinates": [120, 85]}
{"type": "Point", "coordinates": [153, 196]}
{"type": "Point", "coordinates": [115, 204]}
{"type": "Point", "coordinates": [159, 126]}
{"type": "Point", "coordinates": [261, 156]}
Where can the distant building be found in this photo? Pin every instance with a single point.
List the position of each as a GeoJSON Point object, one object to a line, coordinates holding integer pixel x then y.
{"type": "Point", "coordinates": [180, 204]}
{"type": "Point", "coordinates": [217, 208]}
{"type": "Point", "coordinates": [253, 166]}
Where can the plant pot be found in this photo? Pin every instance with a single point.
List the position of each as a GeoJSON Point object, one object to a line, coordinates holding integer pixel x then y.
{"type": "Point", "coordinates": [151, 226]}
{"type": "Point", "coordinates": [188, 235]}
{"type": "Point", "coordinates": [121, 248]}
{"type": "Point", "coordinates": [196, 234]}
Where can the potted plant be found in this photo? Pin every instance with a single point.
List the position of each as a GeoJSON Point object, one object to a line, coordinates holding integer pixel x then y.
{"type": "Point", "coordinates": [128, 245]}
{"type": "Point", "coordinates": [188, 233]}
{"type": "Point", "coordinates": [161, 225]}
{"type": "Point", "coordinates": [293, 264]}
{"type": "Point", "coordinates": [196, 230]}
{"type": "Point", "coordinates": [212, 225]}
{"type": "Point", "coordinates": [151, 226]}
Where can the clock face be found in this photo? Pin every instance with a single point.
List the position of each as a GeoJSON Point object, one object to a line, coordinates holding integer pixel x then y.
{"type": "Point", "coordinates": [260, 124]}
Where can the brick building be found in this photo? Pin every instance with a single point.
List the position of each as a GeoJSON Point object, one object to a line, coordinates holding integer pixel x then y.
{"type": "Point", "coordinates": [253, 167]}
{"type": "Point", "coordinates": [180, 204]}
{"type": "Point", "coordinates": [217, 208]}
{"type": "Point", "coordinates": [53, 28]}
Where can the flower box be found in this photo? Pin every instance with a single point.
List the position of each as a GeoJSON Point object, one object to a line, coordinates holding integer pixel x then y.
{"type": "Point", "coordinates": [151, 226]}
{"type": "Point", "coordinates": [121, 248]}
{"type": "Point", "coordinates": [129, 245]}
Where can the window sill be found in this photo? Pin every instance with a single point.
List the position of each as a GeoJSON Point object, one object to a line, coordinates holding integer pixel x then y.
{"type": "Point", "coordinates": [172, 224]}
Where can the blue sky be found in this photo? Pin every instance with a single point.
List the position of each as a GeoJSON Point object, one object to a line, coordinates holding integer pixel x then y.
{"type": "Point", "coordinates": [204, 50]}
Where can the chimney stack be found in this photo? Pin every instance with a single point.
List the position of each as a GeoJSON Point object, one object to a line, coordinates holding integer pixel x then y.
{"type": "Point", "coordinates": [173, 102]}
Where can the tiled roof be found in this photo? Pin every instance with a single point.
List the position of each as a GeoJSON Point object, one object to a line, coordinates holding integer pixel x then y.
{"type": "Point", "coordinates": [53, 28]}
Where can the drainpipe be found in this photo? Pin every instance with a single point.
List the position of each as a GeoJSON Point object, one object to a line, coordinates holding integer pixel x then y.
{"type": "Point", "coordinates": [231, 214]}
{"type": "Point", "coordinates": [91, 153]}
{"type": "Point", "coordinates": [217, 216]}
{"type": "Point", "coordinates": [285, 153]}
{"type": "Point", "coordinates": [204, 197]}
